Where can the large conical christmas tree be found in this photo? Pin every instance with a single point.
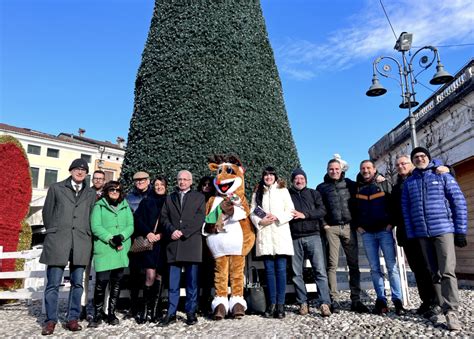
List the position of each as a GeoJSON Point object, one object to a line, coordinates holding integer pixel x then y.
{"type": "Point", "coordinates": [208, 84]}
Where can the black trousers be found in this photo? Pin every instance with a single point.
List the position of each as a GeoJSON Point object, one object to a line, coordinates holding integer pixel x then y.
{"type": "Point", "coordinates": [420, 269]}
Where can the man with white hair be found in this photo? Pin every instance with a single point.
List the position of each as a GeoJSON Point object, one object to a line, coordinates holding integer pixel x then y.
{"type": "Point", "coordinates": [411, 247]}
{"type": "Point", "coordinates": [182, 217]}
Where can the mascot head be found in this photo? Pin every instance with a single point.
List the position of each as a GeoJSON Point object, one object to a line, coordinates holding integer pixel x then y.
{"type": "Point", "coordinates": [229, 179]}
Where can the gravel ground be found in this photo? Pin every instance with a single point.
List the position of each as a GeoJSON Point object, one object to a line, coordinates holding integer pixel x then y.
{"type": "Point", "coordinates": [20, 320]}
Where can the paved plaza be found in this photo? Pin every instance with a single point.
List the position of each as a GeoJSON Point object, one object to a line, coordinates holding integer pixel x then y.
{"type": "Point", "coordinates": [20, 320]}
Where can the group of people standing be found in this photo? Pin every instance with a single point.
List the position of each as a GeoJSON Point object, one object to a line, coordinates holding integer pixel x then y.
{"type": "Point", "coordinates": [426, 206]}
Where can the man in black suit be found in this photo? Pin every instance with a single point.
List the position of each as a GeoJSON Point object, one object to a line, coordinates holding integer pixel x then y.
{"type": "Point", "coordinates": [182, 218]}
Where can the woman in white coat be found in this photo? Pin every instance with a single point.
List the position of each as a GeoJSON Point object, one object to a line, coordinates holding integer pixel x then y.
{"type": "Point", "coordinates": [271, 212]}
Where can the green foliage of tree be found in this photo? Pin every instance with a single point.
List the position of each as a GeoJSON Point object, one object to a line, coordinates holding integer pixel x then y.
{"type": "Point", "coordinates": [208, 84]}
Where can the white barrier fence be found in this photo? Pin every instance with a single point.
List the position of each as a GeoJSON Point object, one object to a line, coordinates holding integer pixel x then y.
{"type": "Point", "coordinates": [34, 277]}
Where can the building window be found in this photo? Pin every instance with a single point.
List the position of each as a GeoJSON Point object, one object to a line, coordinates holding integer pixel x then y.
{"type": "Point", "coordinates": [50, 177]}
{"type": "Point", "coordinates": [109, 176]}
{"type": "Point", "coordinates": [87, 158]}
{"type": "Point", "coordinates": [33, 149]}
{"type": "Point", "coordinates": [34, 176]}
{"type": "Point", "coordinates": [53, 153]}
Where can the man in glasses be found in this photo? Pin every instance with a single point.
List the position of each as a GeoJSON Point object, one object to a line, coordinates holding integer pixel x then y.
{"type": "Point", "coordinates": [141, 182]}
{"type": "Point", "coordinates": [98, 183]}
{"type": "Point", "coordinates": [182, 217]}
{"type": "Point", "coordinates": [66, 217]}
{"type": "Point", "coordinates": [411, 247]}
{"type": "Point", "coordinates": [435, 212]}
{"type": "Point", "coordinates": [141, 189]}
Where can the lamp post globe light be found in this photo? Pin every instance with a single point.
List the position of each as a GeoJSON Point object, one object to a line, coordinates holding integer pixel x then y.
{"type": "Point", "coordinates": [406, 76]}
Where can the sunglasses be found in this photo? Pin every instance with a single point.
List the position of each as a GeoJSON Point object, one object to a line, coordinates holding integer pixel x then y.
{"type": "Point", "coordinates": [118, 190]}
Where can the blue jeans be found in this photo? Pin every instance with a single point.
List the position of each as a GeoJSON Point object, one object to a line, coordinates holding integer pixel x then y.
{"type": "Point", "coordinates": [191, 271]}
{"type": "Point", "coordinates": [310, 247]}
{"type": "Point", "coordinates": [275, 270]}
{"type": "Point", "coordinates": [373, 242]}
{"type": "Point", "coordinates": [51, 292]}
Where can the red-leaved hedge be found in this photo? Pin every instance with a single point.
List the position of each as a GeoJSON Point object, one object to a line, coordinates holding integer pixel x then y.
{"type": "Point", "coordinates": [15, 197]}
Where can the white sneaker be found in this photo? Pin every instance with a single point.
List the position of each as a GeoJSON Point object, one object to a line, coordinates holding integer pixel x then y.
{"type": "Point", "coordinates": [452, 321]}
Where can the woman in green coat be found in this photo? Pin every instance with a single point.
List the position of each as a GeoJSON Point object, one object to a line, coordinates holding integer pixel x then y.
{"type": "Point", "coordinates": [112, 227]}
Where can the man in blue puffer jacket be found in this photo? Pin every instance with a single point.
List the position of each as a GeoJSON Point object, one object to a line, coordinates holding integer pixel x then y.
{"type": "Point", "coordinates": [435, 212]}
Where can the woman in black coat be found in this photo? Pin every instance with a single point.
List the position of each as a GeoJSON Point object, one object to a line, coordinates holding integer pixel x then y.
{"type": "Point", "coordinates": [153, 262]}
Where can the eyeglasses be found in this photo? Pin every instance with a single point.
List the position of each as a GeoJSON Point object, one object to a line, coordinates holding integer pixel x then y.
{"type": "Point", "coordinates": [98, 179]}
{"type": "Point", "coordinates": [113, 190]}
{"type": "Point", "coordinates": [79, 169]}
{"type": "Point", "coordinates": [140, 180]}
{"type": "Point", "coordinates": [183, 179]}
{"type": "Point", "coordinates": [402, 164]}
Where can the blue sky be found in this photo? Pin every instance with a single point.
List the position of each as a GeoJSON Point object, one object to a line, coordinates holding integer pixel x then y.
{"type": "Point", "coordinates": [66, 64]}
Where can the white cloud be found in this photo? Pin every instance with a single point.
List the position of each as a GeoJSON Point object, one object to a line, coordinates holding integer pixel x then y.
{"type": "Point", "coordinates": [433, 22]}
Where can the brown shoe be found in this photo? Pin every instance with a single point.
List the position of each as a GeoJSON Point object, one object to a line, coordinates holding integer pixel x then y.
{"type": "Point", "coordinates": [73, 326]}
{"type": "Point", "coordinates": [48, 328]}
{"type": "Point", "coordinates": [303, 309]}
{"type": "Point", "coordinates": [238, 311]}
{"type": "Point", "coordinates": [219, 312]}
{"type": "Point", "coordinates": [325, 310]}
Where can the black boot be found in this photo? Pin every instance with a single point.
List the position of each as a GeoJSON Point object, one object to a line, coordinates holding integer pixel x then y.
{"type": "Point", "coordinates": [113, 299]}
{"type": "Point", "coordinates": [83, 315]}
{"type": "Point", "coordinates": [381, 307]}
{"type": "Point", "coordinates": [99, 296]}
{"type": "Point", "coordinates": [144, 313]}
{"type": "Point", "coordinates": [135, 304]}
{"type": "Point", "coordinates": [399, 309]}
{"type": "Point", "coordinates": [156, 291]}
{"type": "Point", "coordinates": [270, 311]}
{"type": "Point", "coordinates": [280, 311]}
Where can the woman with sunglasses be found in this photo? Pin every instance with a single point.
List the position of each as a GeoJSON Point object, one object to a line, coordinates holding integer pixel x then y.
{"type": "Point", "coordinates": [271, 212]}
{"type": "Point", "coordinates": [152, 262]}
{"type": "Point", "coordinates": [112, 227]}
{"type": "Point", "coordinates": [206, 187]}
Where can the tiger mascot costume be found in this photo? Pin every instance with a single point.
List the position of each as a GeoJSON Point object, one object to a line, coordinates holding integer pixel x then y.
{"type": "Point", "coordinates": [230, 235]}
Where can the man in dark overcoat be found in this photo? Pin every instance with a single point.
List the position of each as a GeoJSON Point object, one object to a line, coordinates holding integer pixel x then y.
{"type": "Point", "coordinates": [66, 217]}
{"type": "Point", "coordinates": [182, 218]}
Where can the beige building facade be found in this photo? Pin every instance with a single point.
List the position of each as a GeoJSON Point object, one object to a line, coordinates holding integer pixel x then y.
{"type": "Point", "coordinates": [50, 156]}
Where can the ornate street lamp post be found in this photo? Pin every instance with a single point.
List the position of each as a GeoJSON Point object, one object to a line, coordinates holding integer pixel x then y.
{"type": "Point", "coordinates": [407, 80]}
{"type": "Point", "coordinates": [406, 77]}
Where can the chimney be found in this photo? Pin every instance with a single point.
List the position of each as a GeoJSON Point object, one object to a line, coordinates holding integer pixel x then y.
{"type": "Point", "coordinates": [81, 132]}
{"type": "Point", "coordinates": [120, 141]}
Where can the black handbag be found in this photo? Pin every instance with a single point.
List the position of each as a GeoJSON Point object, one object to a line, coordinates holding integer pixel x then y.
{"type": "Point", "coordinates": [254, 292]}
